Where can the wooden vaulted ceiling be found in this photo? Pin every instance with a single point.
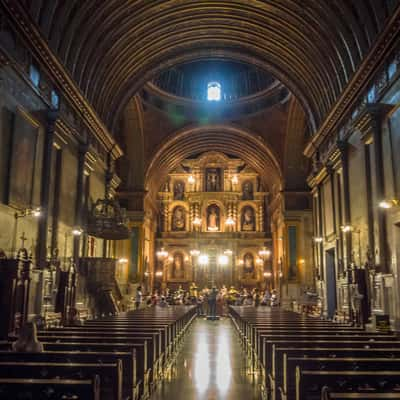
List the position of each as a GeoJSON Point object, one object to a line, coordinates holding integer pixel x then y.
{"type": "Point", "coordinates": [111, 48]}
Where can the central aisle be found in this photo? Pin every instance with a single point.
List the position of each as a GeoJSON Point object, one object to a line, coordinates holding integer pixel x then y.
{"type": "Point", "coordinates": [210, 366]}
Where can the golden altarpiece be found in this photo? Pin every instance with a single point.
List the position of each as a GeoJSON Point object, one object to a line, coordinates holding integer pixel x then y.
{"type": "Point", "coordinates": [212, 225]}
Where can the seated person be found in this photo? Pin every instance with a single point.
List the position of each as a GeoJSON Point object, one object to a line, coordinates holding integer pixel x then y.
{"type": "Point", "coordinates": [162, 302]}
{"type": "Point", "coordinates": [248, 301]}
{"type": "Point", "coordinates": [74, 318]}
{"type": "Point", "coordinates": [27, 341]}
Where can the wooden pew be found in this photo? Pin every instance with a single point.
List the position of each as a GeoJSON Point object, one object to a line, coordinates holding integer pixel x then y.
{"type": "Point", "coordinates": [156, 338]}
{"type": "Point", "coordinates": [267, 340]}
{"type": "Point", "coordinates": [287, 388]}
{"type": "Point", "coordinates": [38, 389]}
{"type": "Point", "coordinates": [110, 374]}
{"type": "Point", "coordinates": [256, 354]}
{"type": "Point", "coordinates": [266, 335]}
{"type": "Point", "coordinates": [327, 394]}
{"type": "Point", "coordinates": [276, 377]}
{"type": "Point", "coordinates": [318, 341]}
{"type": "Point", "coordinates": [310, 384]}
{"type": "Point", "coordinates": [150, 334]}
{"type": "Point", "coordinates": [128, 360]}
{"type": "Point", "coordinates": [142, 377]}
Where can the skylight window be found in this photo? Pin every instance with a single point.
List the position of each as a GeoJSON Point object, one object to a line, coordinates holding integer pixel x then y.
{"type": "Point", "coordinates": [214, 91]}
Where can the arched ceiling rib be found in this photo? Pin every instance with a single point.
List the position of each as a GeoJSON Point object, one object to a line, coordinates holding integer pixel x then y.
{"type": "Point", "coordinates": [226, 139]}
{"type": "Point", "coordinates": [110, 47]}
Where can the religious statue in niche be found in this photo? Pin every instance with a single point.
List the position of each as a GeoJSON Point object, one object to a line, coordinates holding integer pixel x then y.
{"type": "Point", "coordinates": [248, 219]}
{"type": "Point", "coordinates": [248, 264]}
{"type": "Point", "coordinates": [178, 219]}
{"type": "Point", "coordinates": [178, 267]}
{"type": "Point", "coordinates": [213, 218]}
{"type": "Point", "coordinates": [213, 180]}
{"type": "Point", "coordinates": [247, 189]}
{"type": "Point", "coordinates": [179, 190]}
{"type": "Point", "coordinates": [166, 186]}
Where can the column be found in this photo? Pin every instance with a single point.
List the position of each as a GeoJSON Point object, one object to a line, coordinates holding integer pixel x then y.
{"type": "Point", "coordinates": [80, 197]}
{"type": "Point", "coordinates": [260, 217]}
{"type": "Point", "coordinates": [369, 123]}
{"type": "Point", "coordinates": [45, 188]}
{"type": "Point", "coordinates": [343, 147]}
{"type": "Point", "coordinates": [319, 233]}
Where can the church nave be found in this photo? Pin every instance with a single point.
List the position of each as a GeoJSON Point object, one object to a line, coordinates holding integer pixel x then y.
{"type": "Point", "coordinates": [162, 160]}
{"type": "Point", "coordinates": [210, 365]}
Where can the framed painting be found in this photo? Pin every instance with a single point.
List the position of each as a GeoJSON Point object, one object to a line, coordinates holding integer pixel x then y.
{"type": "Point", "coordinates": [22, 164]}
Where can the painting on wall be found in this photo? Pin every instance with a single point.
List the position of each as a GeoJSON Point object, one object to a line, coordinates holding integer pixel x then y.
{"type": "Point", "coordinates": [248, 265]}
{"type": "Point", "coordinates": [179, 190]}
{"type": "Point", "coordinates": [213, 218]}
{"type": "Point", "coordinates": [178, 219]}
{"type": "Point", "coordinates": [213, 180]}
{"type": "Point", "coordinates": [178, 266]}
{"type": "Point", "coordinates": [22, 164]}
{"type": "Point", "coordinates": [248, 191]}
{"type": "Point", "coordinates": [248, 219]}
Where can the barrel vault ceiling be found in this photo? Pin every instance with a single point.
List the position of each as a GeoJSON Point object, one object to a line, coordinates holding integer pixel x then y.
{"type": "Point", "coordinates": [113, 48]}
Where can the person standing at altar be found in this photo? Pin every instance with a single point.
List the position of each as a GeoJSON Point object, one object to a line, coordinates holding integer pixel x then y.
{"type": "Point", "coordinates": [138, 297]}
{"type": "Point", "coordinates": [212, 302]}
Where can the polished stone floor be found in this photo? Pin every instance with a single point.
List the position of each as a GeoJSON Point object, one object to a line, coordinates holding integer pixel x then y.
{"type": "Point", "coordinates": [210, 366]}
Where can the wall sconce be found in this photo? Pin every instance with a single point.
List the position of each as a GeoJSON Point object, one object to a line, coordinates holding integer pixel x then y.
{"type": "Point", "coordinates": [203, 259]}
{"type": "Point", "coordinates": [197, 221]}
{"type": "Point", "coordinates": [264, 252]}
{"type": "Point", "coordinates": [259, 261]}
{"type": "Point", "coordinates": [35, 212]}
{"type": "Point", "coordinates": [77, 231]}
{"type": "Point", "coordinates": [123, 260]}
{"type": "Point", "coordinates": [267, 274]}
{"type": "Point", "coordinates": [159, 274]}
{"type": "Point", "coordinates": [235, 179]}
{"type": "Point", "coordinates": [228, 252]}
{"type": "Point", "coordinates": [162, 253]}
{"type": "Point", "coordinates": [387, 204]}
{"type": "Point", "coordinates": [230, 221]}
{"type": "Point", "coordinates": [194, 252]}
{"type": "Point", "coordinates": [223, 260]}
{"type": "Point", "coordinates": [191, 179]}
{"type": "Point", "coordinates": [318, 239]}
{"type": "Point", "coordinates": [346, 228]}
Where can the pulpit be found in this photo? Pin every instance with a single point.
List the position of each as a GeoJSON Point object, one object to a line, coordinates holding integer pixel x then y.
{"type": "Point", "coordinates": [101, 285]}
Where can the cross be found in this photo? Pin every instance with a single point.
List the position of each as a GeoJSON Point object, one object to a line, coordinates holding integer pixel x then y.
{"type": "Point", "coordinates": [23, 239]}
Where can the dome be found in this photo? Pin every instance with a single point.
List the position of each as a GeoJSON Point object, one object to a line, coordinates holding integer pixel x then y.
{"type": "Point", "coordinates": [203, 80]}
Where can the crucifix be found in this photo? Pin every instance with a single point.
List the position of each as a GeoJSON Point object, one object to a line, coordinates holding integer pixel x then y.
{"type": "Point", "coordinates": [23, 240]}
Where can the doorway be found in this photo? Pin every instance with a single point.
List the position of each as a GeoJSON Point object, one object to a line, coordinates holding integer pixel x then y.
{"type": "Point", "coordinates": [330, 282]}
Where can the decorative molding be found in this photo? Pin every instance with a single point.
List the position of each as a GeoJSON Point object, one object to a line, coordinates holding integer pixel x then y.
{"type": "Point", "coordinates": [371, 117]}
{"type": "Point", "coordinates": [39, 48]}
{"type": "Point", "coordinates": [367, 71]}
